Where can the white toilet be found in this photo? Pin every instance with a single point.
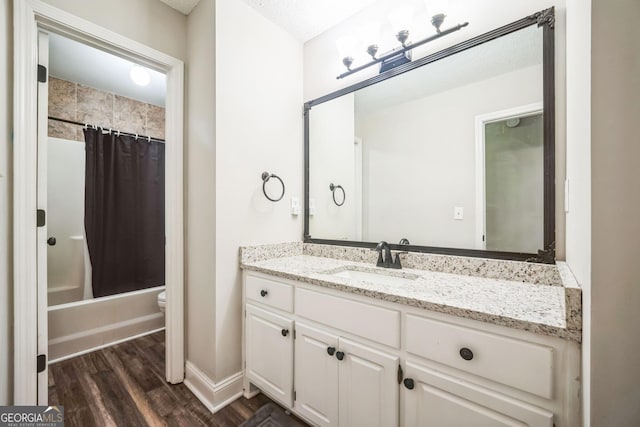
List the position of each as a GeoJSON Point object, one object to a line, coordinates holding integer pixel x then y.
{"type": "Point", "coordinates": [162, 300]}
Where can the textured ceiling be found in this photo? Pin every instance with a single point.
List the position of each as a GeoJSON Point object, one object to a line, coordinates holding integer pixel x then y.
{"type": "Point", "coordinates": [184, 6]}
{"type": "Point", "coordinates": [305, 19]}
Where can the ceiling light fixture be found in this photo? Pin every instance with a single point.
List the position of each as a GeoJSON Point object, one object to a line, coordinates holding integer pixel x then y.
{"type": "Point", "coordinates": [401, 20]}
{"type": "Point", "coordinates": [140, 75]}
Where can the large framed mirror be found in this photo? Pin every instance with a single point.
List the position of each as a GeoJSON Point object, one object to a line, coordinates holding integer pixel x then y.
{"type": "Point", "coordinates": [452, 153]}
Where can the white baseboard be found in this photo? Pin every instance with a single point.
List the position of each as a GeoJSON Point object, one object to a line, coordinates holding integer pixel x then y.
{"type": "Point", "coordinates": [213, 396]}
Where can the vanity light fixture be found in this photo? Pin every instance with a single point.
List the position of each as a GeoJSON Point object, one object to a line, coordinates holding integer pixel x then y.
{"type": "Point", "coordinates": [346, 47]}
{"type": "Point", "coordinates": [370, 32]}
{"type": "Point", "coordinates": [401, 20]}
{"type": "Point", "coordinates": [437, 9]}
{"type": "Point", "coordinates": [140, 75]}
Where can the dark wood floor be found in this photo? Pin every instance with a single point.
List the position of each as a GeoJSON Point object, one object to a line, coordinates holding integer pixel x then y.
{"type": "Point", "coordinates": [124, 385]}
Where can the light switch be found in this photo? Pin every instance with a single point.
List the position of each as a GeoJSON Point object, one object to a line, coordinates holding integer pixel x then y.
{"type": "Point", "coordinates": [295, 206]}
{"type": "Point", "coordinates": [312, 207]}
{"type": "Point", "coordinates": [458, 213]}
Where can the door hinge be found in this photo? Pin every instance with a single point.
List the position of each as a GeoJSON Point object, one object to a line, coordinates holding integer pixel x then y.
{"type": "Point", "coordinates": [42, 362]}
{"type": "Point", "coordinates": [400, 374]}
{"type": "Point", "coordinates": [40, 218]}
{"type": "Point", "coordinates": [483, 237]}
{"type": "Point", "coordinates": [294, 395]}
{"type": "Point", "coordinates": [294, 334]}
{"type": "Point", "coordinates": [42, 73]}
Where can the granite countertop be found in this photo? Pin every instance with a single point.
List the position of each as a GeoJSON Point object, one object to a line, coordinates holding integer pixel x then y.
{"type": "Point", "coordinates": [538, 308]}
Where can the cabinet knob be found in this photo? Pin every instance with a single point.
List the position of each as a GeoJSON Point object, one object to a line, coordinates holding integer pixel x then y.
{"type": "Point", "coordinates": [331, 350]}
{"type": "Point", "coordinates": [284, 332]}
{"type": "Point", "coordinates": [263, 293]}
{"type": "Point", "coordinates": [408, 383]}
{"type": "Point", "coordinates": [51, 241]}
{"type": "Point", "coordinates": [466, 353]}
{"type": "Point", "coordinates": [340, 355]}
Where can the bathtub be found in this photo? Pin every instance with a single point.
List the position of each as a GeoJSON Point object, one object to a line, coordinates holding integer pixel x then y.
{"type": "Point", "coordinates": [81, 327]}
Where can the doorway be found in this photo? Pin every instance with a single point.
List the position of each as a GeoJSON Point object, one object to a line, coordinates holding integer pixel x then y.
{"type": "Point", "coordinates": [33, 20]}
{"type": "Point", "coordinates": [509, 184]}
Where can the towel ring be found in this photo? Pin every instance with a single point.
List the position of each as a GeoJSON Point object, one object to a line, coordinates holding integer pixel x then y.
{"type": "Point", "coordinates": [333, 189]}
{"type": "Point", "coordinates": [265, 177]}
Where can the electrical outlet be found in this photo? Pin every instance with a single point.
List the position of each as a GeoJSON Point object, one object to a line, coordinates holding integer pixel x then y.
{"type": "Point", "coordinates": [312, 207]}
{"type": "Point", "coordinates": [458, 213]}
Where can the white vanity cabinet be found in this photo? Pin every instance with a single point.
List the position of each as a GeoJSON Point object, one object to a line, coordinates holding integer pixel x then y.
{"type": "Point", "coordinates": [268, 336]}
{"type": "Point", "coordinates": [351, 360]}
{"type": "Point", "coordinates": [269, 352]}
{"type": "Point", "coordinates": [431, 398]}
{"type": "Point", "coordinates": [340, 382]}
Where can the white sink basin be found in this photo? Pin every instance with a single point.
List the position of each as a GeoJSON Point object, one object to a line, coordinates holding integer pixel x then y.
{"type": "Point", "coordinates": [373, 276]}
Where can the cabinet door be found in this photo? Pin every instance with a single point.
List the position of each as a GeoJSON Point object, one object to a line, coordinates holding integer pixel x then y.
{"type": "Point", "coordinates": [432, 398]}
{"type": "Point", "coordinates": [368, 386]}
{"type": "Point", "coordinates": [269, 353]}
{"type": "Point", "coordinates": [316, 375]}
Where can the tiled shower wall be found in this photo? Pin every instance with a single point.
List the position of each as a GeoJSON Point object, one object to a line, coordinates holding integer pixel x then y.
{"type": "Point", "coordinates": [73, 101]}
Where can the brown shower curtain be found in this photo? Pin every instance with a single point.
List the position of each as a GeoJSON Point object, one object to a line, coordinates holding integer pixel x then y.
{"type": "Point", "coordinates": [124, 212]}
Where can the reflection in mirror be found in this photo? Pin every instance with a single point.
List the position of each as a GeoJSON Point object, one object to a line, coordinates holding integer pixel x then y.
{"type": "Point", "coordinates": [105, 193]}
{"type": "Point", "coordinates": [449, 154]}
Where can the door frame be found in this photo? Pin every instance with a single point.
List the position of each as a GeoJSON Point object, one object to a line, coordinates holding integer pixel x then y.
{"type": "Point", "coordinates": [357, 170]}
{"type": "Point", "coordinates": [29, 17]}
{"type": "Point", "coordinates": [482, 120]}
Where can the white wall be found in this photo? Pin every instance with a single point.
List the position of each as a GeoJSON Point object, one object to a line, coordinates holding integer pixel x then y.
{"type": "Point", "coordinates": [258, 128]}
{"type": "Point", "coordinates": [578, 239]}
{"type": "Point", "coordinates": [615, 213]}
{"type": "Point", "coordinates": [430, 167]}
{"type": "Point", "coordinates": [200, 170]}
{"type": "Point", "coordinates": [322, 63]}
{"type": "Point", "coordinates": [332, 160]}
{"type": "Point", "coordinates": [147, 21]}
{"type": "Point", "coordinates": [6, 294]}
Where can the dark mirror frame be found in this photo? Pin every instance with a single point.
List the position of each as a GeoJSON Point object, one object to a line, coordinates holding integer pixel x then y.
{"type": "Point", "coordinates": [544, 19]}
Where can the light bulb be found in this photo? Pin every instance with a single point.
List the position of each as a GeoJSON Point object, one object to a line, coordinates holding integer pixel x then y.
{"type": "Point", "coordinates": [436, 7]}
{"type": "Point", "coordinates": [369, 33]}
{"type": "Point", "coordinates": [347, 46]}
{"type": "Point", "coordinates": [437, 11]}
{"type": "Point", "coordinates": [140, 75]}
{"type": "Point", "coordinates": [401, 19]}
{"type": "Point", "coordinates": [370, 37]}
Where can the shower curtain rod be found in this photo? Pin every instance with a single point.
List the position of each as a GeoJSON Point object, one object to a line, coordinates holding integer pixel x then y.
{"type": "Point", "coordinates": [73, 122]}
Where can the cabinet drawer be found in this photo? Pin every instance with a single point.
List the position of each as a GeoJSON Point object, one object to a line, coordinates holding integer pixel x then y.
{"type": "Point", "coordinates": [515, 363]}
{"type": "Point", "coordinates": [368, 321]}
{"type": "Point", "coordinates": [269, 292]}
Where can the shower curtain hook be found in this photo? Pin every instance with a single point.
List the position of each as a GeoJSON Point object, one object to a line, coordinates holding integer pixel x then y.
{"type": "Point", "coordinates": [149, 138]}
{"type": "Point", "coordinates": [118, 132]}
{"type": "Point", "coordinates": [136, 136]}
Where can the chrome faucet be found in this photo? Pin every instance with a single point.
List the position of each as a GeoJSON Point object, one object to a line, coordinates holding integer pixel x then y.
{"type": "Point", "coordinates": [386, 260]}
